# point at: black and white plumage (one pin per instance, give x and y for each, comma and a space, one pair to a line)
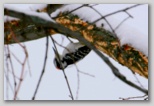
73, 53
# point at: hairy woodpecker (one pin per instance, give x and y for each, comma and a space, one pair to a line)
73, 53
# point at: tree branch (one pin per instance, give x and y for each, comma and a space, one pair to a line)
43, 70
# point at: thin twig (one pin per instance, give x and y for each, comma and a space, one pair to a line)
43, 70
7, 76
122, 10
12, 68
94, 5
8, 83
128, 14
105, 20
29, 69
86, 73
72, 10
133, 97
16, 58
22, 72
138, 81
69, 39
7, 65
121, 23
66, 79
78, 82
78, 78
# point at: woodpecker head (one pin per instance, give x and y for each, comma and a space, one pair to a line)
59, 64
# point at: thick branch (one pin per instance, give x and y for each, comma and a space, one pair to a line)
99, 37
22, 31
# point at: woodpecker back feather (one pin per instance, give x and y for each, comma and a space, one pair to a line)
71, 47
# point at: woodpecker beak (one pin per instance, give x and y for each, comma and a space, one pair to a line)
54, 50
56, 53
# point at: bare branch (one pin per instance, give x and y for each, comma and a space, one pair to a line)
66, 79
122, 10
22, 71
43, 70
114, 34
12, 68
8, 84
121, 23
135, 97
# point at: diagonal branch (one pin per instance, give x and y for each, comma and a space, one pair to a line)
43, 70
66, 79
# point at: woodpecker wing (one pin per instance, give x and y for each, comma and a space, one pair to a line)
72, 47
71, 58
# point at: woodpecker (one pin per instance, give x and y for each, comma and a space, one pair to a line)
72, 53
